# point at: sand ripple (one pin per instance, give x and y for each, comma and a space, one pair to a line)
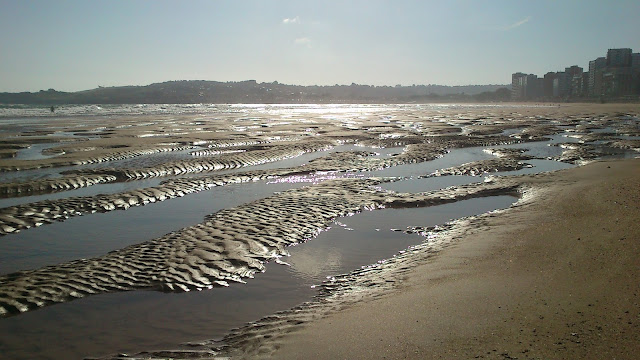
43, 186
477, 168
223, 162
117, 155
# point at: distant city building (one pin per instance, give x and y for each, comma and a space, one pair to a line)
635, 61
517, 91
635, 69
525, 86
619, 57
585, 84
617, 81
573, 70
561, 85
574, 81
547, 84
595, 76
615, 76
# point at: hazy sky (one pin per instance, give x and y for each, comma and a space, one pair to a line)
78, 45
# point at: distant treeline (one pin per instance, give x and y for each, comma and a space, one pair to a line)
247, 92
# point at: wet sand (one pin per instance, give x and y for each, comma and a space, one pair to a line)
555, 278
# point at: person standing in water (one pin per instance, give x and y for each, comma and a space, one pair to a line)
52, 108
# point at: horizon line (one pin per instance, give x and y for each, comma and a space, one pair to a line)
275, 82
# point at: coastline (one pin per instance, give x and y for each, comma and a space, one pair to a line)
552, 278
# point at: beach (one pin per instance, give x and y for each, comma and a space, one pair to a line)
265, 180
248, 231
556, 278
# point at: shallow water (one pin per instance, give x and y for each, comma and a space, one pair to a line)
371, 236
414, 184
34, 152
543, 149
454, 157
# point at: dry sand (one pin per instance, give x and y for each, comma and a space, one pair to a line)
558, 278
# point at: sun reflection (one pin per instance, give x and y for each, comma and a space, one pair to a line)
311, 264
315, 178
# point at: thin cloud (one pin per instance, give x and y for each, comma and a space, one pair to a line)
295, 20
303, 41
519, 23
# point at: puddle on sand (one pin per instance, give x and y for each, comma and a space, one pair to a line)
542, 149
538, 167
367, 237
101, 325
454, 157
159, 157
33, 174
414, 185
34, 152
149, 160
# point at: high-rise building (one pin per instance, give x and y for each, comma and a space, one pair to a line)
574, 81
573, 70
617, 81
595, 76
517, 89
635, 69
538, 88
561, 85
619, 57
547, 85
635, 61
616, 75
525, 86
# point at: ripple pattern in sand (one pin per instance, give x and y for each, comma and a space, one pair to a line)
118, 155
45, 186
477, 168
229, 161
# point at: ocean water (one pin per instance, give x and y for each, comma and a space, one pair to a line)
141, 320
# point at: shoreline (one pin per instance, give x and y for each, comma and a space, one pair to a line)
552, 278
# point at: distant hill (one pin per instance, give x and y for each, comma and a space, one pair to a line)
214, 92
